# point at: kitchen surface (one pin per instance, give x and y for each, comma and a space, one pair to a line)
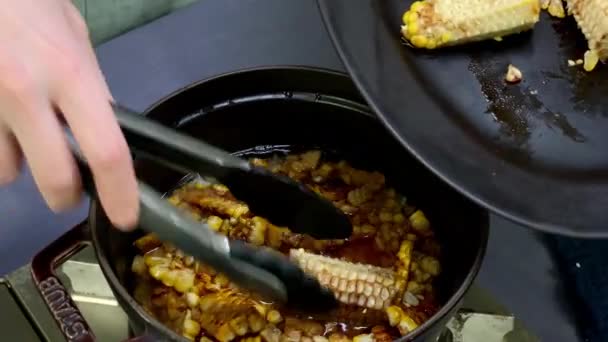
518, 278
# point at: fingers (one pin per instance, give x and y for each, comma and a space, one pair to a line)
89, 114
41, 139
10, 156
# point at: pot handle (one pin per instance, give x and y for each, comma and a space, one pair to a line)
68, 317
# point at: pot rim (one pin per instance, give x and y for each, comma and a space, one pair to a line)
117, 286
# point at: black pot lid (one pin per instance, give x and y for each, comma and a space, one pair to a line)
535, 152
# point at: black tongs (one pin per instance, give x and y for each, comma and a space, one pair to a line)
260, 270
278, 198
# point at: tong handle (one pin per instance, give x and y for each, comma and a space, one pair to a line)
178, 151
197, 239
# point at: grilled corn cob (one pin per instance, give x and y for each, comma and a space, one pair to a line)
362, 285
435, 23
591, 16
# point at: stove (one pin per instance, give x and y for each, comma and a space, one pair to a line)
26, 317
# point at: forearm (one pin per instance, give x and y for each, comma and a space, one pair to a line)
109, 18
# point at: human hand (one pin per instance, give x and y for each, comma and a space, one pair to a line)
48, 68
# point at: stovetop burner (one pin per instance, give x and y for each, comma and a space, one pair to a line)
27, 318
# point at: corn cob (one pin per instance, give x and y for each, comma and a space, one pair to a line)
358, 284
435, 23
591, 16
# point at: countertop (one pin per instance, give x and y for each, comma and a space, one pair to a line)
216, 36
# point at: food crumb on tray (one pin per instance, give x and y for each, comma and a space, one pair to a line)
513, 75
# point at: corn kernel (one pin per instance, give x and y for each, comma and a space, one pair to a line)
398, 218
406, 17
184, 281
239, 325
191, 327
394, 315
414, 287
214, 222
386, 216
256, 322
139, 265
412, 28
406, 325
419, 221
446, 37
419, 41
225, 334
430, 265
364, 338
174, 200
431, 44
192, 299
590, 60
169, 277
416, 6
274, 317
320, 339
207, 302
205, 339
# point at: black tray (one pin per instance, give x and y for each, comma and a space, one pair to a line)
535, 152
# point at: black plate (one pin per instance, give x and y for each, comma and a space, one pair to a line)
536, 152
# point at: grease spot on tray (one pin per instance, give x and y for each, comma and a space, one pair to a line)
517, 108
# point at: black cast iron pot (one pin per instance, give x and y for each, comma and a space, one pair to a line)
262, 111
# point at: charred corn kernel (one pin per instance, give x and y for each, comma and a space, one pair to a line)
256, 322
258, 231
215, 222
406, 324
356, 284
139, 265
455, 22
184, 280
419, 221
590, 16
192, 299
590, 60
274, 317
394, 315
364, 338
556, 8
430, 265
239, 325
224, 333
